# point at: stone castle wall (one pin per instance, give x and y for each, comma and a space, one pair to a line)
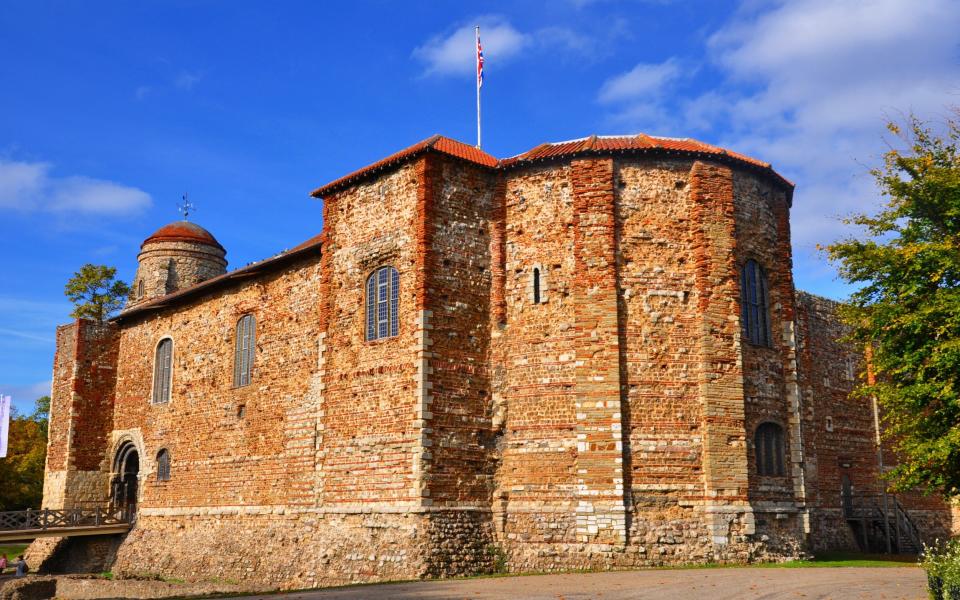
840, 433
81, 413
605, 420
166, 266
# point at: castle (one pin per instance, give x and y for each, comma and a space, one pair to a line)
589, 355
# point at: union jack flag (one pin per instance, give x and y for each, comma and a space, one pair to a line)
479, 62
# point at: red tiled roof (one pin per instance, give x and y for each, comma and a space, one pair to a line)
606, 144
183, 231
436, 143
252, 270
594, 144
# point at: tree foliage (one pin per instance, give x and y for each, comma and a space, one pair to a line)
907, 307
21, 472
95, 293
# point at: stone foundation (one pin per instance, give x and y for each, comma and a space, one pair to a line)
290, 550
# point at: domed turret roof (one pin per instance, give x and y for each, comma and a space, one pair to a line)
183, 231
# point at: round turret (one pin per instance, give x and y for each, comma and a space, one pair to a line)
175, 257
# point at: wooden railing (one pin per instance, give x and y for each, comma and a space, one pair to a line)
51, 518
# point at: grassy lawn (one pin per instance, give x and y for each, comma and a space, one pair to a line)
12, 551
847, 559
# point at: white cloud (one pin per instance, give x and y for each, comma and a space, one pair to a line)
28, 186
643, 81
24, 395
186, 80
808, 86
454, 53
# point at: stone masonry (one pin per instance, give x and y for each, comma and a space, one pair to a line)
569, 385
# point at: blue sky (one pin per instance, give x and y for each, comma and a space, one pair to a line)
110, 111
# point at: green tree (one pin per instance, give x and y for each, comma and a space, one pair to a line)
906, 264
22, 470
41, 413
95, 293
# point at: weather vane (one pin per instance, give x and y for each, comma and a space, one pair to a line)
186, 208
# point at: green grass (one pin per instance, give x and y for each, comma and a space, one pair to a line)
13, 550
848, 559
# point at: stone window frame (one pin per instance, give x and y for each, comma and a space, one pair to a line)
371, 320
156, 372
164, 460
139, 289
770, 449
240, 354
538, 278
755, 318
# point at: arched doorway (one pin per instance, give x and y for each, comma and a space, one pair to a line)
123, 484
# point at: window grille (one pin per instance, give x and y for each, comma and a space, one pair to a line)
245, 348
162, 371
754, 300
163, 465
383, 298
768, 445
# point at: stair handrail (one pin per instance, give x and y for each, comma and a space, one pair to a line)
908, 525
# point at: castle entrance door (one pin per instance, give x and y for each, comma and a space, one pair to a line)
126, 477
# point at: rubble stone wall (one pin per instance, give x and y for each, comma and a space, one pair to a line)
166, 266
228, 445
840, 434
82, 410
569, 388
368, 454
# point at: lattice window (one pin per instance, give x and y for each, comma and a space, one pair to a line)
383, 298
769, 448
246, 339
163, 465
163, 371
755, 304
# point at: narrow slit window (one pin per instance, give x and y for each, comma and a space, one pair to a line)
383, 299
536, 286
244, 353
162, 371
140, 289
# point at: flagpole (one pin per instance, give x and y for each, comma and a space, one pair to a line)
477, 50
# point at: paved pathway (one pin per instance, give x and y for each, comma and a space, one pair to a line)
841, 583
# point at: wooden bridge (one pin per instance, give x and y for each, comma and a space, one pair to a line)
26, 525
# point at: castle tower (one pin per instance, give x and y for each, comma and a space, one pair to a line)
175, 257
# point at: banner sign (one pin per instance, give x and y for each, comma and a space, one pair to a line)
4, 424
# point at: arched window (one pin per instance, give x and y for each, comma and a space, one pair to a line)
163, 465
536, 285
755, 309
243, 356
383, 294
768, 445
162, 371
140, 289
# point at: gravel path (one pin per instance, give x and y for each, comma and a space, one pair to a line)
842, 583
